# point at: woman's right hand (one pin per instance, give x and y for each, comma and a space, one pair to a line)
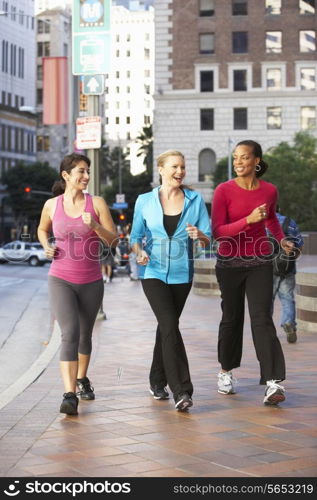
50, 251
142, 258
258, 214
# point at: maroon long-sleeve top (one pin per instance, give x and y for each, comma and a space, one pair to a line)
231, 205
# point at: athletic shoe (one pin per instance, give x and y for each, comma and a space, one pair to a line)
226, 383
69, 404
290, 331
86, 391
159, 392
183, 402
274, 393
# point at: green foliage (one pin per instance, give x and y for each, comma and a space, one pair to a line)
145, 139
221, 172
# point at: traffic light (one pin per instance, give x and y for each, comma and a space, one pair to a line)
27, 192
122, 218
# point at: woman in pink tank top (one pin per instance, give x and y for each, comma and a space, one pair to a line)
78, 221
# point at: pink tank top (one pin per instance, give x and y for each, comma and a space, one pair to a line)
77, 258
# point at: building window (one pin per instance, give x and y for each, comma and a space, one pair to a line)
3, 97
206, 8
16, 103
239, 79
273, 42
239, 7
128, 53
117, 120
147, 73
307, 41
274, 79
43, 143
147, 89
206, 119
117, 38
43, 49
5, 56
307, 7
274, 118
39, 72
206, 43
240, 118
146, 53
117, 74
128, 74
128, 120
118, 90
117, 53
206, 81
128, 136
240, 42
39, 96
43, 26
273, 7
147, 120
308, 117
307, 79
128, 90
207, 165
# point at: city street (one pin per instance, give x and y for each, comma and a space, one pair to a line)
124, 432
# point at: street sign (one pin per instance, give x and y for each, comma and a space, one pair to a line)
94, 84
88, 132
120, 198
119, 205
91, 36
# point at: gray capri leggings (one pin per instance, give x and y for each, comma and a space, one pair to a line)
75, 308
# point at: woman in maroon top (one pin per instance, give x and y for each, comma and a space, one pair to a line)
242, 209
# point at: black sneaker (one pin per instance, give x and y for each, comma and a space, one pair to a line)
159, 392
183, 402
86, 391
69, 404
290, 331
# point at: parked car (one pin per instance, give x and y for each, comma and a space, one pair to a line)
23, 251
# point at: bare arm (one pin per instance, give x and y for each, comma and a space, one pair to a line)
45, 227
106, 230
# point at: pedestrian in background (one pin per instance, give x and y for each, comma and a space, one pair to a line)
284, 281
169, 218
242, 208
78, 221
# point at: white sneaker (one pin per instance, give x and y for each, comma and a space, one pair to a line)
274, 393
226, 383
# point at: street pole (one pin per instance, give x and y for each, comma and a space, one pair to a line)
229, 159
120, 168
94, 154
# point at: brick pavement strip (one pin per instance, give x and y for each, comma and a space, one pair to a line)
125, 433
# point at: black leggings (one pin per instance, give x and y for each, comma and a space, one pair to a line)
257, 284
170, 364
75, 308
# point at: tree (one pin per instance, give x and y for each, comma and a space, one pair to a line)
145, 139
221, 172
27, 207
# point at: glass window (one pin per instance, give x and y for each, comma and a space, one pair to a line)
117, 120
273, 41
128, 120
307, 79
240, 118
308, 117
46, 142
239, 79
206, 8
273, 79
206, 81
207, 165
40, 72
240, 42
274, 118
206, 43
307, 41
307, 7
117, 74
206, 119
146, 53
273, 7
239, 7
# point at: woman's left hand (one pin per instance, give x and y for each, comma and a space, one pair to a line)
288, 246
192, 231
89, 220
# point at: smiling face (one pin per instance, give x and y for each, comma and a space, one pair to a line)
244, 161
78, 177
173, 171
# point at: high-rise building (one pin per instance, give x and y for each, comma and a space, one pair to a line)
17, 83
232, 70
53, 40
130, 85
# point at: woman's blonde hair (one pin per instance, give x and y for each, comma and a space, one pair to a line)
160, 160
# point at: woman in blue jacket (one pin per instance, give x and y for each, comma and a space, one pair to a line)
165, 223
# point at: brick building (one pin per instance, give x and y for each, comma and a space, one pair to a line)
228, 70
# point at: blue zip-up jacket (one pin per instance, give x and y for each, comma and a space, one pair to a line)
171, 258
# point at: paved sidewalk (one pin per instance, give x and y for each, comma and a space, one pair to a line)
125, 433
